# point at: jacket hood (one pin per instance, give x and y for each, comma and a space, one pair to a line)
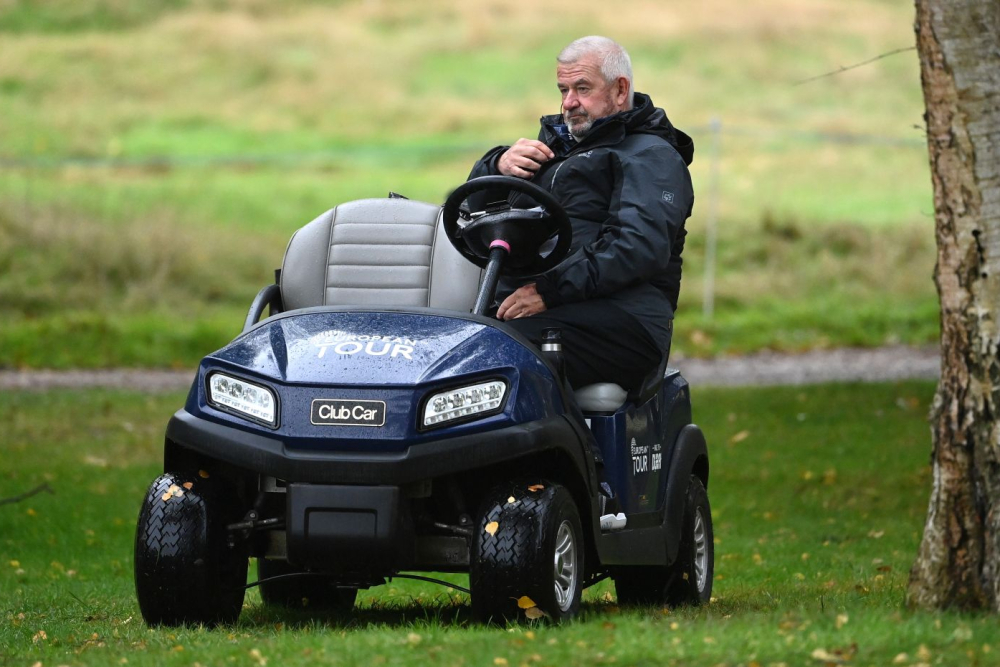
642, 118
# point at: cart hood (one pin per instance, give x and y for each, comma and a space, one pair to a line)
332, 347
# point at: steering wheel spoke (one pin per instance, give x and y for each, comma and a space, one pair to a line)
527, 231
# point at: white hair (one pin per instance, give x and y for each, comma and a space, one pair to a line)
612, 56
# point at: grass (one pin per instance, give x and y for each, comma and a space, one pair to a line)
157, 156
818, 495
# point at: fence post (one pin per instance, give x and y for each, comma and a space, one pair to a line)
708, 300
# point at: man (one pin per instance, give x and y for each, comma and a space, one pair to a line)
619, 168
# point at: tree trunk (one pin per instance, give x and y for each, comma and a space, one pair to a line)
959, 560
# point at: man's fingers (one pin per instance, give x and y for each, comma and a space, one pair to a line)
538, 153
535, 144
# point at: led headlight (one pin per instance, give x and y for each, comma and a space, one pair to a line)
477, 399
244, 397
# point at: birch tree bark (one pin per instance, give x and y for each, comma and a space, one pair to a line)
958, 564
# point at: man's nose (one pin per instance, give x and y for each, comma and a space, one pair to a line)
571, 101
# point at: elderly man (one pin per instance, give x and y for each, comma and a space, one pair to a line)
619, 168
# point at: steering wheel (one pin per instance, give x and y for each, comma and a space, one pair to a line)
524, 231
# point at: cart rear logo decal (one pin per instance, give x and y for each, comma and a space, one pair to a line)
336, 412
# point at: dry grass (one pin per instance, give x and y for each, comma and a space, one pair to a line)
52, 261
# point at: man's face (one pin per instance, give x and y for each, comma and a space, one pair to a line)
586, 96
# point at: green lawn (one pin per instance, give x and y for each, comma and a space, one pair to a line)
157, 156
818, 494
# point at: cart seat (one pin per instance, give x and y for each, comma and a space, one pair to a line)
607, 397
600, 397
377, 252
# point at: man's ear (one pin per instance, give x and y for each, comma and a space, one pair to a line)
621, 92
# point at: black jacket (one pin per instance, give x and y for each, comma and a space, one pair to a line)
627, 191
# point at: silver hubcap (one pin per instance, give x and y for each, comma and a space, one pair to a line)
564, 566
700, 550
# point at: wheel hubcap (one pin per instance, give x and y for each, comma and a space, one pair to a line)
564, 566
700, 551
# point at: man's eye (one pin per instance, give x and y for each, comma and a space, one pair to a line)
583, 91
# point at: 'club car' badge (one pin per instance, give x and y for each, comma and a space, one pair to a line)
334, 412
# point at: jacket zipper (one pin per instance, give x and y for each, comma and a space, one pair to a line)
555, 174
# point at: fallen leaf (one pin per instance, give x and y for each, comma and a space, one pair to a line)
15, 563
256, 655
188, 485
500, 662
739, 437
524, 602
492, 527
841, 620
40, 636
876, 533
533, 613
700, 338
535, 488
203, 474
900, 658
923, 653
824, 656
174, 491
413, 639
512, 499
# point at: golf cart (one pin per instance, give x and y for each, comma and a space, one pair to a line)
371, 425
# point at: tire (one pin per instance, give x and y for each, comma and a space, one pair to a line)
185, 571
689, 580
301, 592
535, 550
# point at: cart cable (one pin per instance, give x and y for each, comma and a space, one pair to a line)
416, 577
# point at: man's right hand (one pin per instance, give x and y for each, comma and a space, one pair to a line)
524, 158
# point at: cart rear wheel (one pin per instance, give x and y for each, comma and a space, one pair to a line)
185, 570
312, 592
527, 554
689, 580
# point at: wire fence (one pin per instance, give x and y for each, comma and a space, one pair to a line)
716, 132
715, 128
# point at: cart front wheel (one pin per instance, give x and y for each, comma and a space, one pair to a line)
185, 570
527, 554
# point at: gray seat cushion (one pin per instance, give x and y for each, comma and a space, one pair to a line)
377, 252
600, 397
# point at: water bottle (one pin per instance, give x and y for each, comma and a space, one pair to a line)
552, 350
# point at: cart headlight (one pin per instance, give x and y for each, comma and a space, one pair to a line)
244, 397
474, 400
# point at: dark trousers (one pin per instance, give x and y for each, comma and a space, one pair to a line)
601, 342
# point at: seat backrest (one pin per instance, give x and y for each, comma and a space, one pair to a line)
377, 252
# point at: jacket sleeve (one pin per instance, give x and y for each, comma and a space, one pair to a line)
651, 200
487, 165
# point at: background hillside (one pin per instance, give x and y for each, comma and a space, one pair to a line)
155, 157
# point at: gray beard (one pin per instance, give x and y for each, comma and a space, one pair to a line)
581, 133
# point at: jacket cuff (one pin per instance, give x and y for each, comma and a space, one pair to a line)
547, 290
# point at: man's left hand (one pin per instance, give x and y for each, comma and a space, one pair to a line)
523, 302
